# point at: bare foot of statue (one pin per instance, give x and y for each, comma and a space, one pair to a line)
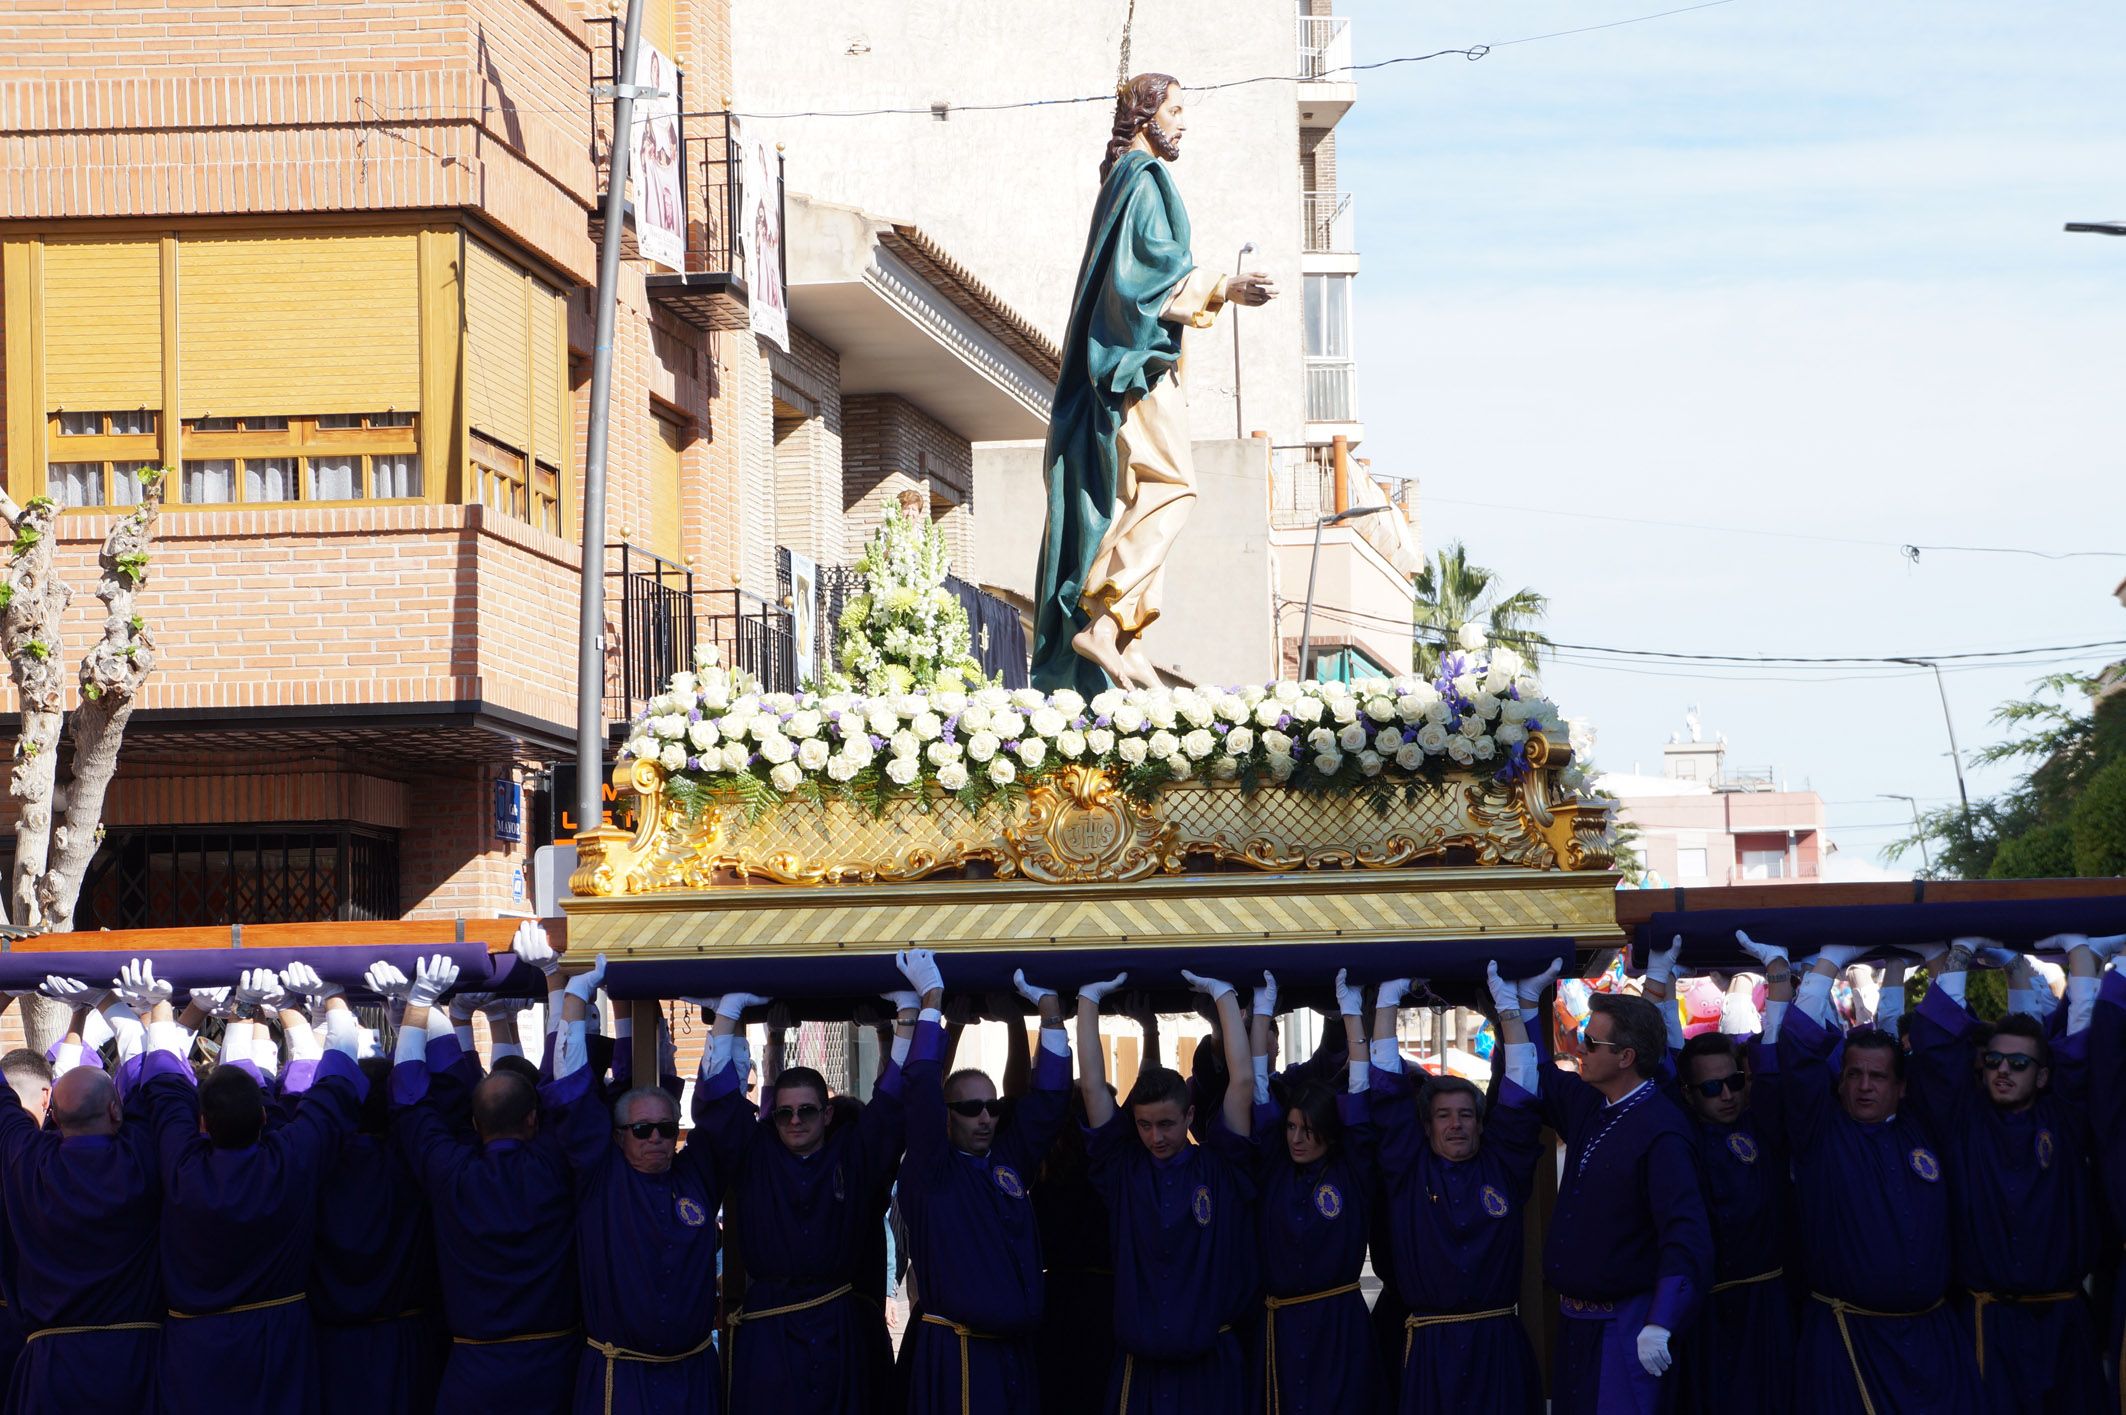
1139, 664
1096, 644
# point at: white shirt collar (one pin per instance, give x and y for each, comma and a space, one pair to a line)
1611, 1105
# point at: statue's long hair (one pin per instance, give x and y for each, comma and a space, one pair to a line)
1136, 106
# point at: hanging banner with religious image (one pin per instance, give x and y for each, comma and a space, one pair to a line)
659, 178
804, 614
760, 235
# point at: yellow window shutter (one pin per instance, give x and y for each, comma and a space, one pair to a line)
549, 386
102, 325
497, 339
296, 325
667, 536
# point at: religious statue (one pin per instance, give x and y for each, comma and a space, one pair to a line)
1119, 472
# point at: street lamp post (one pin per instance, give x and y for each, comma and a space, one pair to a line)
1925, 859
2099, 228
1955, 755
1239, 427
1306, 618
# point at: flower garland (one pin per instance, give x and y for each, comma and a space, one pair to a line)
713, 732
906, 631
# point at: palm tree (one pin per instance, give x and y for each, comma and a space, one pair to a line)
1452, 592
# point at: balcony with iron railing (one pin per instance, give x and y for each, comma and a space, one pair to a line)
1325, 48
1329, 223
1331, 390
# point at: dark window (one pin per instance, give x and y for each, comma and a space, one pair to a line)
182, 876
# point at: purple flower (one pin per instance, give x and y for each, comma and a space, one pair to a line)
877, 742
694, 716
1103, 721
1284, 720
693, 763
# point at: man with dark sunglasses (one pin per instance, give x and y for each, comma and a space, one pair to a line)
965, 1191
2010, 1106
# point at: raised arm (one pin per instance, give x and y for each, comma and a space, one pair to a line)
1239, 1104
1659, 989
1261, 1012
922, 1085
1041, 1110
1092, 1056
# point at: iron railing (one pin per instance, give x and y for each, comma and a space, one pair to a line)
1329, 223
749, 633
1325, 48
1332, 390
998, 631
713, 242
190, 876
653, 600
1302, 486
607, 57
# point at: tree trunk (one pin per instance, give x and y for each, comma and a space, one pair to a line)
44, 1021
29, 634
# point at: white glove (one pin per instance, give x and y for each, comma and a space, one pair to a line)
906, 1000
259, 987
1996, 955
1505, 993
731, 1004
1929, 954
302, 979
1530, 990
71, 991
387, 981
1765, 953
1265, 1001
586, 983
1350, 996
1392, 992
1213, 988
2103, 945
464, 1004
1653, 1350
138, 987
529, 943
215, 1002
1093, 992
1840, 955
1032, 992
920, 967
432, 977
1661, 963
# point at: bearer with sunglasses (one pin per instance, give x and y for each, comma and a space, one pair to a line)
1736, 1358
645, 1234
2010, 1110
807, 1207
964, 1192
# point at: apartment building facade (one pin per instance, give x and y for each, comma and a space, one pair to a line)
923, 112
332, 263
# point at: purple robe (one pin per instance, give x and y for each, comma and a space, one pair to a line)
237, 1228
380, 1337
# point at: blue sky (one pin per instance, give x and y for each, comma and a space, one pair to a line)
1789, 268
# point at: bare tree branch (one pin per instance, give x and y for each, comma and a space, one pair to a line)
111, 674
36, 601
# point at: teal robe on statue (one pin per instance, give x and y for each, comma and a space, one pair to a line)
1117, 347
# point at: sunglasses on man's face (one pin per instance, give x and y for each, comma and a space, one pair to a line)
2015, 1061
1711, 1089
795, 1114
643, 1129
971, 1109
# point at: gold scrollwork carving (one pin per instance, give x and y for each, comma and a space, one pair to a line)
1076, 827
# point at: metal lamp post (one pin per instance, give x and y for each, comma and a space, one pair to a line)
1926, 861
1239, 427
1955, 755
1306, 619
2099, 228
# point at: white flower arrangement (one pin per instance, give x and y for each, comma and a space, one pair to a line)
713, 731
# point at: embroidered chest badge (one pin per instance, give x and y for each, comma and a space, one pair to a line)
1199, 1204
1493, 1201
1008, 1180
691, 1213
1925, 1165
2044, 1149
1742, 1147
1328, 1201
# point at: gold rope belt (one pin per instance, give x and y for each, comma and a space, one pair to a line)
1734, 1282
75, 1331
742, 1316
511, 1340
965, 1333
1411, 1324
1982, 1300
266, 1305
614, 1354
1840, 1310
1269, 1338
1129, 1371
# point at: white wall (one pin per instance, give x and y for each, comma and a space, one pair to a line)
1010, 194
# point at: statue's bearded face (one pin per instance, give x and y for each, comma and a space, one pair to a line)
1167, 125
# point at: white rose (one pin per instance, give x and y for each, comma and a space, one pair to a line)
658, 706
673, 757
905, 744
926, 725
1353, 737
1322, 739
882, 719
1232, 707
1506, 661
1240, 741
1198, 744
995, 699
715, 697
1343, 709
1436, 711
1161, 713
1179, 766
1225, 769
1032, 751
840, 768
1164, 744
1466, 686
802, 724
778, 703
775, 749
1100, 741
812, 755
1027, 699
643, 748
1528, 688
1369, 763
785, 777
734, 756
1128, 717
1007, 725
1432, 737
682, 685
1306, 710
1513, 710
1410, 756
1484, 747
940, 753
1197, 711
1287, 691
1268, 711
1459, 749
1276, 743
948, 704
1510, 733
1329, 763
983, 745
952, 775
1380, 709
974, 718
1472, 725
859, 751
1580, 734
1131, 750
1001, 771
705, 657
1047, 722
1408, 708
1069, 703
1471, 637
1105, 704
702, 734
902, 771
1070, 743
1486, 704
760, 727
1387, 741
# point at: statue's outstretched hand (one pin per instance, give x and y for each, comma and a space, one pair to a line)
1253, 288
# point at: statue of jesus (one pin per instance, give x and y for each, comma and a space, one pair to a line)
1119, 472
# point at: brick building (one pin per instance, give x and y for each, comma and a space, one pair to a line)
1704, 822
331, 262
